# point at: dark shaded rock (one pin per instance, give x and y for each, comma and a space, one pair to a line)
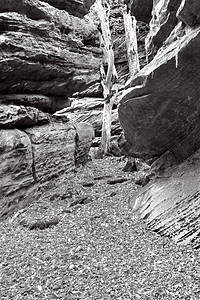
114, 147
117, 180
190, 13
163, 113
78, 200
171, 205
141, 165
88, 184
164, 162
113, 194
141, 178
40, 224
141, 9
102, 177
47, 104
12, 116
96, 142
130, 165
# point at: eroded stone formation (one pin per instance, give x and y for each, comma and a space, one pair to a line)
49, 51
160, 115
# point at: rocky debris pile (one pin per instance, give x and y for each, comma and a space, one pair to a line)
96, 251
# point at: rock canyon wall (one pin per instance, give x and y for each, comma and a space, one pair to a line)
51, 102
49, 51
160, 114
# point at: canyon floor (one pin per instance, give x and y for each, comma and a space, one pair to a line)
80, 240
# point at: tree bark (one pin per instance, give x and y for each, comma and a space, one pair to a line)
109, 77
131, 42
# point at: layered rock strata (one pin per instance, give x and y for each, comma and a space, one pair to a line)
46, 51
89, 110
160, 114
159, 111
49, 51
171, 204
33, 159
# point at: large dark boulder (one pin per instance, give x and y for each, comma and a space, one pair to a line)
142, 9
160, 114
162, 111
190, 14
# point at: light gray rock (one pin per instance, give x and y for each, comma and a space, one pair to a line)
170, 205
37, 159
89, 110
12, 116
74, 7
16, 174
84, 137
53, 149
45, 50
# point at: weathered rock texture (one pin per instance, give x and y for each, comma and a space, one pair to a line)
160, 110
45, 50
12, 116
74, 7
48, 104
33, 159
88, 110
141, 9
119, 42
171, 205
49, 51
160, 114
84, 137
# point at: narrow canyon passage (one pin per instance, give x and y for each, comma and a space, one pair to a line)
95, 249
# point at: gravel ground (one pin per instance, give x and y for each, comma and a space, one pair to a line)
98, 250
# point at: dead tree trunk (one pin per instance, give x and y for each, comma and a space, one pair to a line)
108, 78
133, 59
131, 41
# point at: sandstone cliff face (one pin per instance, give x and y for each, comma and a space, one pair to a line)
45, 51
171, 205
49, 51
32, 160
160, 114
160, 109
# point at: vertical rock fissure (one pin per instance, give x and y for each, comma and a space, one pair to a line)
76, 148
33, 158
